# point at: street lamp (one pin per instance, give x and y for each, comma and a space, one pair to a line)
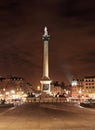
38, 88
7, 93
12, 91
80, 92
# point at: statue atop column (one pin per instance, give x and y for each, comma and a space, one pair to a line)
46, 37
45, 31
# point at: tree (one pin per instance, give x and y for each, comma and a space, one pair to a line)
63, 85
56, 83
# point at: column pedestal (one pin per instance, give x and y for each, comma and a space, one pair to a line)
45, 86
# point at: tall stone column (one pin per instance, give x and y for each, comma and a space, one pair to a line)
45, 81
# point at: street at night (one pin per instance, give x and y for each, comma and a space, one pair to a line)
47, 116
47, 65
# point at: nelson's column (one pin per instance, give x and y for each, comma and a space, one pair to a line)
45, 81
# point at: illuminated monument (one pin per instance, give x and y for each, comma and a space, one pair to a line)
45, 81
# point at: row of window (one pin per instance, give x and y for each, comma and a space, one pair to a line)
90, 87
90, 80
89, 83
87, 87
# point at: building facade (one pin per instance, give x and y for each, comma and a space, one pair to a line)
84, 87
13, 87
77, 88
89, 86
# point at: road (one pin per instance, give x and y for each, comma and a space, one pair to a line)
62, 116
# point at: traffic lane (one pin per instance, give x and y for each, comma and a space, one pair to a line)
72, 115
35, 116
25, 117
73, 107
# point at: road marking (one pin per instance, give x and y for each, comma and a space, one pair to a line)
2, 113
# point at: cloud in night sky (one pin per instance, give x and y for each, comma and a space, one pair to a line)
71, 25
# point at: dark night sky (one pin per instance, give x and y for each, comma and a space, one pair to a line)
71, 25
